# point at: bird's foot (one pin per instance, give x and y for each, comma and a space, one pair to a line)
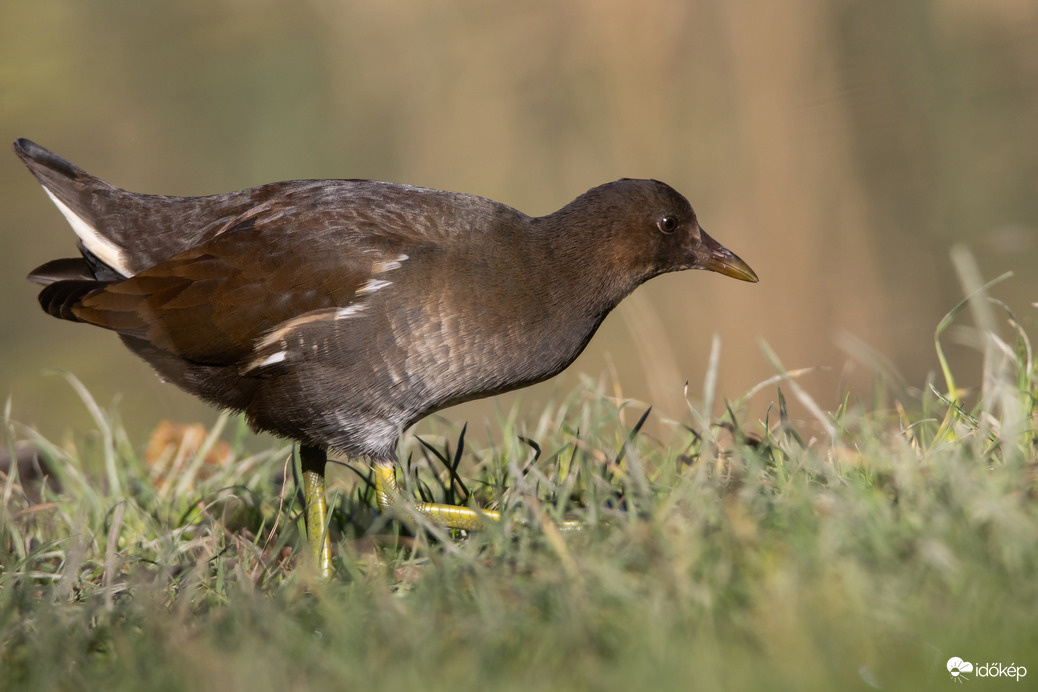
313, 460
447, 516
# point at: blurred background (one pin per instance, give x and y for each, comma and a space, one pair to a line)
840, 147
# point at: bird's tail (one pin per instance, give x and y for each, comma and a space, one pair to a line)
83, 199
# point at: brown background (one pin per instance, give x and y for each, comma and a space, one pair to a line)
841, 148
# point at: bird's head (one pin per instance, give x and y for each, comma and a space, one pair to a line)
644, 228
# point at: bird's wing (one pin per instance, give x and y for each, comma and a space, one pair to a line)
227, 301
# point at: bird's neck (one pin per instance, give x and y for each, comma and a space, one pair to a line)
586, 267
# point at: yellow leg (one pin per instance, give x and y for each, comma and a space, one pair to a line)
449, 516
313, 460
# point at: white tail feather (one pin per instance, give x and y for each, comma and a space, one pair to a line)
101, 247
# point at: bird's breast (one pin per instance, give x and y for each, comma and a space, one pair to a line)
460, 345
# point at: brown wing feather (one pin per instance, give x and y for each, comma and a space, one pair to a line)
212, 303
305, 251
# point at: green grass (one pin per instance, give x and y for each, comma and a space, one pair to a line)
745, 556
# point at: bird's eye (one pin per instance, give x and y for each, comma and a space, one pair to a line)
668, 224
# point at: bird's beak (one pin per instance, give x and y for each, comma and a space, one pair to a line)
717, 258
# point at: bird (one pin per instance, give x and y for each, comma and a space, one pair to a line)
337, 313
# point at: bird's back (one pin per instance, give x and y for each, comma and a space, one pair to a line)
374, 302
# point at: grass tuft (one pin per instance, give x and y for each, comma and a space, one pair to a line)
745, 555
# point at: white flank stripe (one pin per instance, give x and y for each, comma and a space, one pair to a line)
104, 249
371, 286
381, 267
274, 358
348, 311
269, 360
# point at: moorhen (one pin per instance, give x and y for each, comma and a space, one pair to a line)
338, 312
